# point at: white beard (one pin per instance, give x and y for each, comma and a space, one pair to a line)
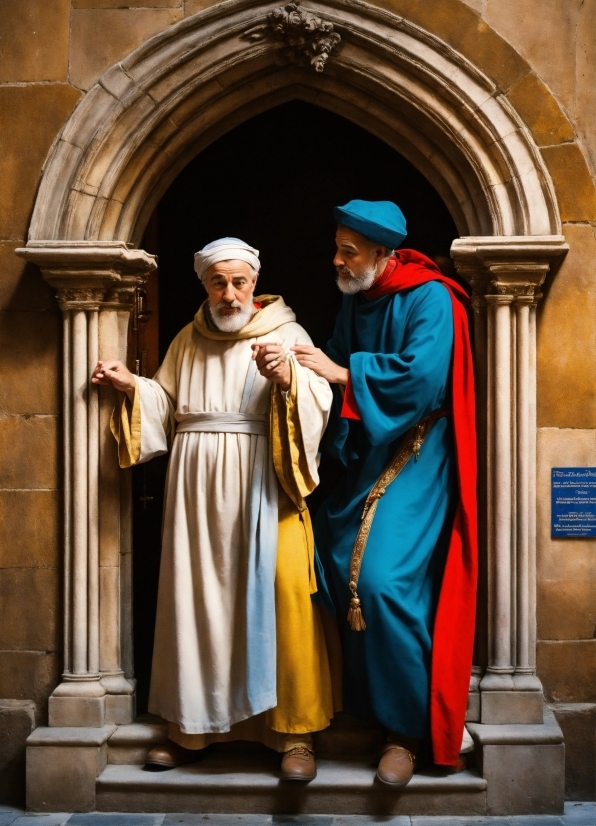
232, 323
354, 284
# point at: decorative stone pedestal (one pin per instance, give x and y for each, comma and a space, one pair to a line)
62, 767
523, 765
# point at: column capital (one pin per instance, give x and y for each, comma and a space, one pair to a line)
514, 266
79, 298
122, 294
83, 271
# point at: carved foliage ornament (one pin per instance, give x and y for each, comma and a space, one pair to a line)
308, 39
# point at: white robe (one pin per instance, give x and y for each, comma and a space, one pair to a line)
200, 661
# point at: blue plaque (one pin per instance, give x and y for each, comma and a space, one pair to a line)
573, 502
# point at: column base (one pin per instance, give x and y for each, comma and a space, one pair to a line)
505, 707
507, 697
120, 698
79, 703
524, 766
62, 767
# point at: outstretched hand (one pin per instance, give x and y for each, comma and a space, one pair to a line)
272, 363
117, 374
315, 359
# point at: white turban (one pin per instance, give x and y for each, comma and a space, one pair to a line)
225, 249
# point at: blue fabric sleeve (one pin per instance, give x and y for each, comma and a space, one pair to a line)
337, 349
395, 390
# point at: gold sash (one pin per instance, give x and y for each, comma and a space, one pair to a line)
411, 444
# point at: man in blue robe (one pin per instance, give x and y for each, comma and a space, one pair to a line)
390, 361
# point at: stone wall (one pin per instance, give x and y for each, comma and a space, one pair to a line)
541, 53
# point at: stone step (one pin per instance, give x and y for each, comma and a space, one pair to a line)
249, 782
345, 737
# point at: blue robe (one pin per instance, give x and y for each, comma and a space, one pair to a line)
398, 349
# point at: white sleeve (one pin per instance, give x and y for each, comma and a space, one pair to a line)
157, 419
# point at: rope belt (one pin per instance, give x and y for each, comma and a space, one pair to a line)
221, 423
410, 446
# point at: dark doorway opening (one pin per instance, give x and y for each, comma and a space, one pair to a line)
273, 181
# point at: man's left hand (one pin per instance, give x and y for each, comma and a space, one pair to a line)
272, 363
315, 359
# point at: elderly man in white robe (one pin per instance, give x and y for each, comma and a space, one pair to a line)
239, 650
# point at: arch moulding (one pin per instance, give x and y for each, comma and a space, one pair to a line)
129, 137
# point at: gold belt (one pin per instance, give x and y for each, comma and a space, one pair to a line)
410, 446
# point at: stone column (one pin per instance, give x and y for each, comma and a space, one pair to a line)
95, 284
115, 551
506, 274
79, 699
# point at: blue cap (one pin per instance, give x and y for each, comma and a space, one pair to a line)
382, 222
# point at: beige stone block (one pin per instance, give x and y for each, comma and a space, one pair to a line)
566, 609
585, 72
30, 529
29, 609
29, 452
21, 284
549, 47
541, 111
32, 116
17, 721
511, 707
30, 347
524, 779
62, 779
562, 559
576, 193
76, 711
102, 37
463, 29
578, 724
130, 744
120, 708
193, 6
566, 337
127, 4
34, 40
29, 675
567, 670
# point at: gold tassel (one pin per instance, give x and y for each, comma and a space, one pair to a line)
355, 617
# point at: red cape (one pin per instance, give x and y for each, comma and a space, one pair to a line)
453, 635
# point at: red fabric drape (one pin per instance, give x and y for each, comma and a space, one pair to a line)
453, 635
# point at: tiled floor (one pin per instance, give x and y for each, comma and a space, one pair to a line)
576, 814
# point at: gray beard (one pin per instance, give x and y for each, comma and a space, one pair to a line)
232, 323
355, 284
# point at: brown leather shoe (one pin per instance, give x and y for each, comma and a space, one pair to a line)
298, 764
396, 765
168, 755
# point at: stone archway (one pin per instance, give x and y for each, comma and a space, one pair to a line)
127, 140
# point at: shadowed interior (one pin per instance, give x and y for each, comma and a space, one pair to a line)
273, 181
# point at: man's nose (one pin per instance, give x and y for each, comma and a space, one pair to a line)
229, 294
338, 260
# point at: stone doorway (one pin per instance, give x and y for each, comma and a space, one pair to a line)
273, 180
126, 142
